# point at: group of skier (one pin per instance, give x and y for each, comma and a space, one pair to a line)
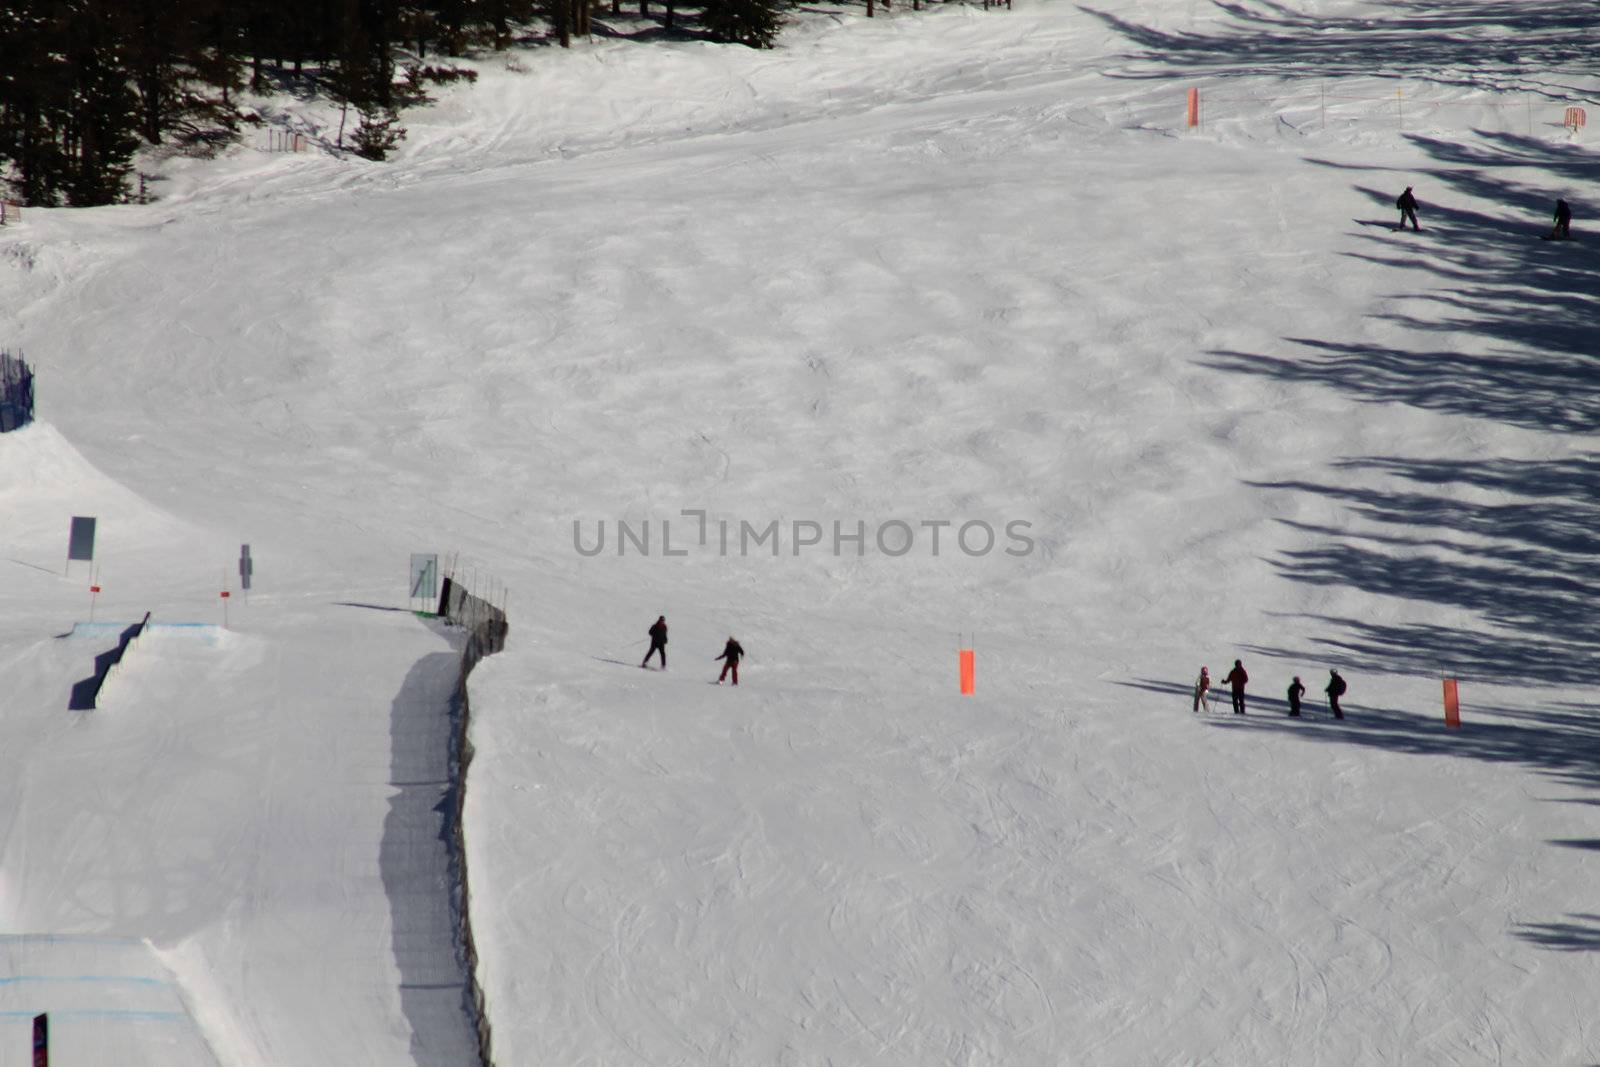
732, 652
1407, 203
1236, 680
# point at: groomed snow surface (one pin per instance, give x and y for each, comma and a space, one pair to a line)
937, 267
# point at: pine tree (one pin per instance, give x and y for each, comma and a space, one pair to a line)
748, 22
379, 133
97, 131
363, 78
156, 37
67, 113
32, 94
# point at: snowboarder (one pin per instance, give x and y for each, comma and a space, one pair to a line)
732, 652
658, 642
1335, 690
1202, 686
1296, 691
1408, 210
1237, 678
1563, 230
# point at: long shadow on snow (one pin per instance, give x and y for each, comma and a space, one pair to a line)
1417, 39
1582, 934
418, 864
1524, 567
1590, 844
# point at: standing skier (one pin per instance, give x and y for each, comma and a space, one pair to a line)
1335, 690
1408, 209
1563, 230
1236, 679
732, 652
1296, 691
1202, 686
658, 642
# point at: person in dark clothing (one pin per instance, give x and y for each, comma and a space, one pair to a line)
1563, 229
1408, 209
658, 642
732, 653
1237, 678
1335, 690
1296, 691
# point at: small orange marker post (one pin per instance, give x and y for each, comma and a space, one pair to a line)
969, 671
1452, 705
1194, 107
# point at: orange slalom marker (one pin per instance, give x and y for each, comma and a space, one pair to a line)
1452, 705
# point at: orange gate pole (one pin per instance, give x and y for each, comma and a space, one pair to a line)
1452, 705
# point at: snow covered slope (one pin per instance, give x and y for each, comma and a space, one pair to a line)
947, 267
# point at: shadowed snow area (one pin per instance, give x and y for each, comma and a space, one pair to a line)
945, 267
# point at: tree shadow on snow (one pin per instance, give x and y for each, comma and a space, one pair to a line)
1416, 39
1580, 934
1591, 844
1503, 323
1514, 542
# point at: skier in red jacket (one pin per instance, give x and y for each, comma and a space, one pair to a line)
1237, 678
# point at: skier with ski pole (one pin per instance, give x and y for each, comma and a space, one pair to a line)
1236, 680
732, 653
1202, 686
1407, 203
658, 642
1335, 690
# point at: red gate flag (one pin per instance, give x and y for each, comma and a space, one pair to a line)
1452, 705
1194, 107
968, 672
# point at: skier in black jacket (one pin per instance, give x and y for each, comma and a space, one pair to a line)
1408, 209
732, 653
658, 642
1563, 229
1296, 691
1335, 690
